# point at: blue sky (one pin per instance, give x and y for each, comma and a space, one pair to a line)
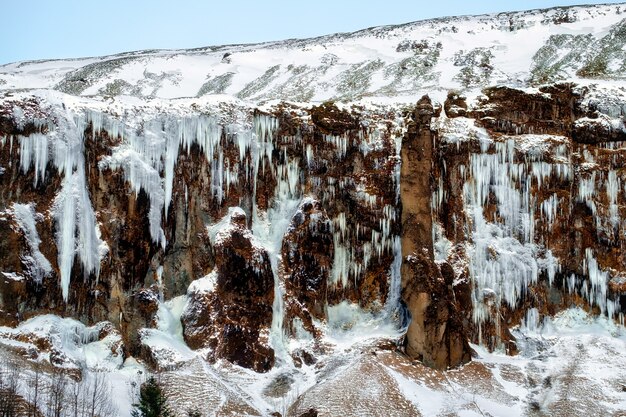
38, 29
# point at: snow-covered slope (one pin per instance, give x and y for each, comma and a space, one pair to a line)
517, 48
563, 369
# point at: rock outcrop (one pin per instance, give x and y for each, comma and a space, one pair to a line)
435, 334
307, 249
230, 310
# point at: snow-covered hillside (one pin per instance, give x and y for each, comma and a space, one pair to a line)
431, 56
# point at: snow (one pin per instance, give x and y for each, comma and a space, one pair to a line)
367, 63
12, 276
564, 367
428, 401
78, 345
461, 129
124, 383
203, 285
221, 228
74, 347
166, 342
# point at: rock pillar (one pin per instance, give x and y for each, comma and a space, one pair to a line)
435, 335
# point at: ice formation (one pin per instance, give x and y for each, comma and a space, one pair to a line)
26, 219
148, 155
270, 227
34, 152
506, 255
77, 230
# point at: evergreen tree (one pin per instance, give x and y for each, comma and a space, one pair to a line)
152, 401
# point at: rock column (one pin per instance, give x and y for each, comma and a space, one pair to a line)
435, 335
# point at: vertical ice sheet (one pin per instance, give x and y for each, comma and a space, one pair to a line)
269, 227
34, 152
505, 258
612, 190
77, 230
596, 292
26, 219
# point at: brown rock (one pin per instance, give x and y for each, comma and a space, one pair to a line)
455, 105
307, 254
231, 310
435, 334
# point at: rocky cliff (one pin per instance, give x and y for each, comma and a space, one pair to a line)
290, 217
260, 234
296, 216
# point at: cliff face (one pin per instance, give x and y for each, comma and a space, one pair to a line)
297, 222
290, 216
539, 226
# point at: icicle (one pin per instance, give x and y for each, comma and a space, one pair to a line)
549, 209
341, 263
340, 143
159, 275
587, 190
96, 119
186, 199
34, 152
597, 294
612, 189
309, 155
504, 257
148, 158
531, 321
77, 230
